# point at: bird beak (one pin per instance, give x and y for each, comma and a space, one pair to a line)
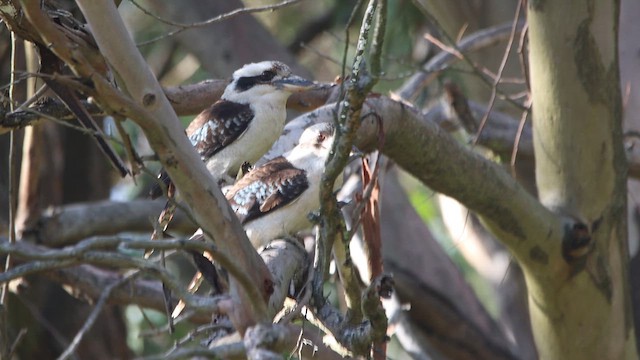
294, 83
355, 154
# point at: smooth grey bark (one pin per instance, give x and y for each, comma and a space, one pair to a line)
630, 87
579, 301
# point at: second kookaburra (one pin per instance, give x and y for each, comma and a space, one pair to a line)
245, 122
274, 199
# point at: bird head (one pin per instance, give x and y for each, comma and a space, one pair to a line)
266, 78
313, 147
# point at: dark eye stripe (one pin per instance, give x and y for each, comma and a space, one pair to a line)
268, 75
247, 82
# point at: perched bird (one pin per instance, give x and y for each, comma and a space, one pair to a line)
245, 122
274, 199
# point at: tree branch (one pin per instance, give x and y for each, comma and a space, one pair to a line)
359, 85
153, 113
93, 316
65, 225
288, 263
450, 168
187, 99
474, 42
86, 253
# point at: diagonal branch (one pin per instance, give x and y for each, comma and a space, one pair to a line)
430, 154
93, 316
476, 41
151, 110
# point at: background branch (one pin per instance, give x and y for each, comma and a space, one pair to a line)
67, 224
185, 99
448, 167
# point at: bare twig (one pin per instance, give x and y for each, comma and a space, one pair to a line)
12, 199
134, 159
229, 15
522, 55
454, 48
89, 282
86, 252
13, 172
59, 339
349, 277
503, 63
357, 337
476, 41
93, 316
16, 342
37, 95
516, 142
375, 54
192, 335
324, 241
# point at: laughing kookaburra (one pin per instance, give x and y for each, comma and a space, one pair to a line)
274, 199
249, 117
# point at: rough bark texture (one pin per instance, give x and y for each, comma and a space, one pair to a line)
579, 301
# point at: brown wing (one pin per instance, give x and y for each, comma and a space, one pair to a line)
266, 188
219, 126
212, 130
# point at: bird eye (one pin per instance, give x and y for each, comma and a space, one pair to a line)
321, 138
267, 75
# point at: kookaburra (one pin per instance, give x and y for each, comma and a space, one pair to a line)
249, 117
275, 199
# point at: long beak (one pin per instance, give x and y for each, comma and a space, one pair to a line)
294, 83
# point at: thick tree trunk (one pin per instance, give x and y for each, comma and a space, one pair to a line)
579, 298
